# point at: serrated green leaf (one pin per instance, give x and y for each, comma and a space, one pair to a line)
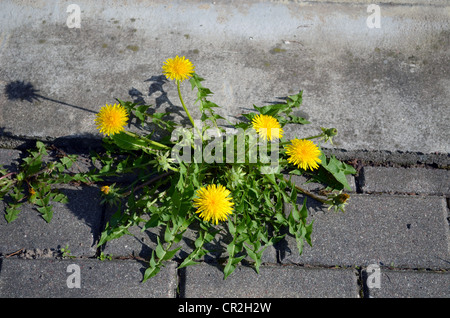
47, 212
12, 212
231, 266
169, 254
159, 250
295, 120
337, 169
153, 269
304, 210
60, 197
309, 229
195, 81
271, 110
128, 142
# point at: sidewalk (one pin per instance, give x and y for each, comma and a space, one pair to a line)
386, 90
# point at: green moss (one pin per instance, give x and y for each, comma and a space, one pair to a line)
277, 50
133, 48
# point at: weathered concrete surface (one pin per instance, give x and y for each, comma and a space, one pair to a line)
410, 284
385, 88
206, 281
402, 180
75, 225
98, 279
393, 230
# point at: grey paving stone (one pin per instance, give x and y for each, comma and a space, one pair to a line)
9, 159
273, 281
406, 180
75, 224
104, 279
404, 231
409, 284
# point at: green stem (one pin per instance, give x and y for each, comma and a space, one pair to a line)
152, 142
307, 138
186, 110
306, 192
317, 136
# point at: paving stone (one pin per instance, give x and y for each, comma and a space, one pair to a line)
404, 231
273, 281
103, 279
75, 224
408, 284
9, 159
406, 180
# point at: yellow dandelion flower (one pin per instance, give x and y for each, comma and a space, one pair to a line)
303, 153
31, 191
267, 127
105, 189
178, 68
213, 203
111, 119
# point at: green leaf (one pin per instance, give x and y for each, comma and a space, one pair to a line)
128, 142
249, 116
12, 212
153, 269
297, 120
337, 169
153, 222
113, 233
60, 197
231, 227
295, 100
231, 266
68, 161
304, 211
47, 212
271, 110
170, 254
309, 229
41, 148
195, 81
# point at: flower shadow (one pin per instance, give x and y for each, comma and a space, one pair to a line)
25, 91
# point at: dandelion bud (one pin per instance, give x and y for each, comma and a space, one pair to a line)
328, 134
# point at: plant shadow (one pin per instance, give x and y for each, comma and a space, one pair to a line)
163, 103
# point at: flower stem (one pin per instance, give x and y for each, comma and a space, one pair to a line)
186, 110
307, 138
306, 192
152, 142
